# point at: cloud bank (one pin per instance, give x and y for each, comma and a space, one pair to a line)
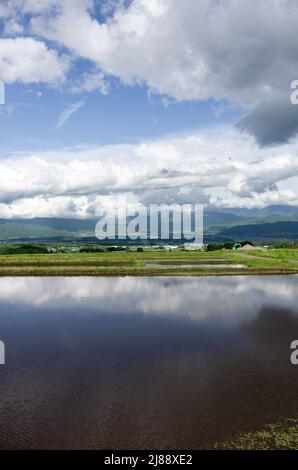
213, 167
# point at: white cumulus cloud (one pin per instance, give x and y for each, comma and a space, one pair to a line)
217, 168
28, 60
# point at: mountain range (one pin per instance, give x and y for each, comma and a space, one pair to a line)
270, 223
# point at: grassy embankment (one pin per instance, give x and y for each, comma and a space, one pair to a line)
280, 436
282, 261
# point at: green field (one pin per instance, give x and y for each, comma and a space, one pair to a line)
279, 261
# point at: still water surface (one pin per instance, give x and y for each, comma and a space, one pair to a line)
147, 363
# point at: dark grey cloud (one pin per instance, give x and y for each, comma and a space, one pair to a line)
271, 123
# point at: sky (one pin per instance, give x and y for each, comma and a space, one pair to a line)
158, 101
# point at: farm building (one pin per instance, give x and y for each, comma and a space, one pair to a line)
249, 247
194, 247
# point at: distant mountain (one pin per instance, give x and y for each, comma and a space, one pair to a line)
267, 231
48, 227
278, 210
44, 228
212, 218
273, 222
13, 230
64, 224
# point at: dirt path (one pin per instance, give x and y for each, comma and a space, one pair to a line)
246, 255
257, 257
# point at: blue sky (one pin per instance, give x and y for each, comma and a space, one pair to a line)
157, 100
125, 115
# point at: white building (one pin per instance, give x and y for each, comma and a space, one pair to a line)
194, 247
170, 247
